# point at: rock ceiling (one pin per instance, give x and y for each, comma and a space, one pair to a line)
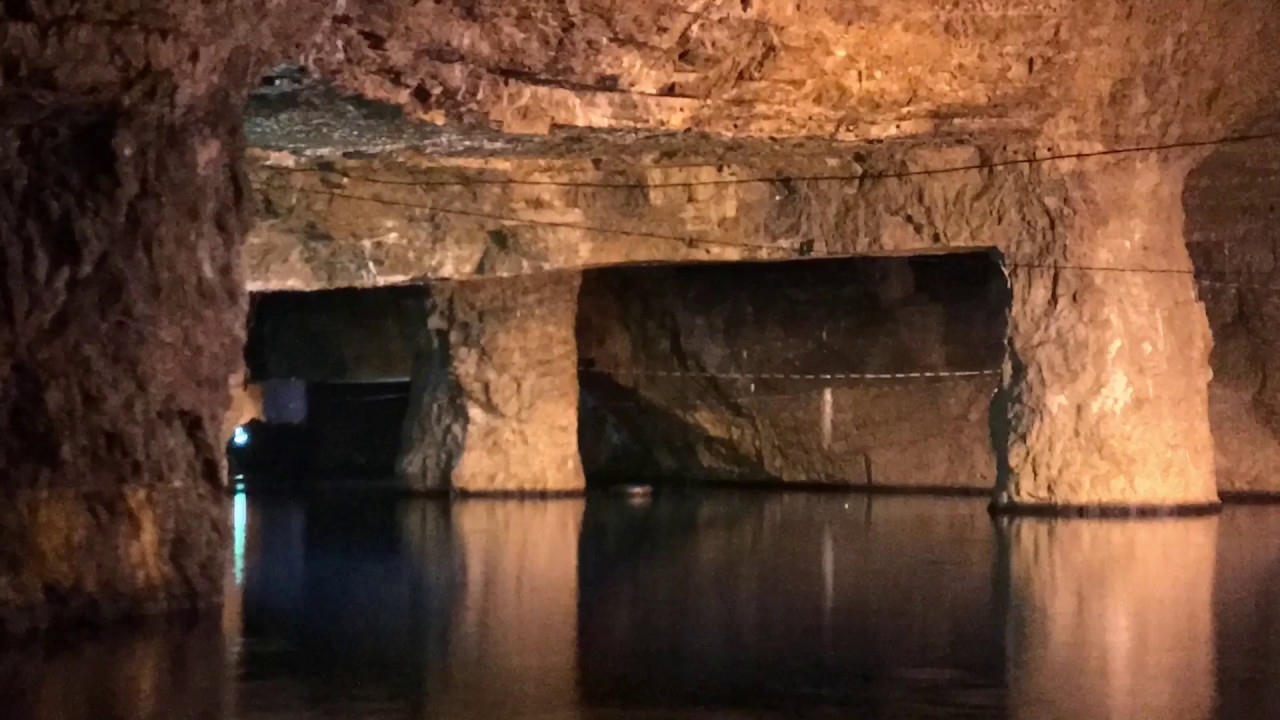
469, 137
1076, 73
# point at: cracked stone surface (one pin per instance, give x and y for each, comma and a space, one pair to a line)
122, 207
1076, 70
494, 406
1105, 395
732, 372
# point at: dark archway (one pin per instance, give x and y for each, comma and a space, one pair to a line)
866, 372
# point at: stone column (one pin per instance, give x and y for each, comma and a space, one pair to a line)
121, 317
1110, 620
122, 309
1104, 404
494, 402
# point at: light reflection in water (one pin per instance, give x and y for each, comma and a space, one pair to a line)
723, 606
1110, 620
239, 533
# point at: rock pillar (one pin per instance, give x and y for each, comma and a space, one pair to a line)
1104, 404
494, 402
1110, 620
121, 316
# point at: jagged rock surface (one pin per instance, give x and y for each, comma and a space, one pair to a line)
1233, 226
113, 362
122, 207
494, 405
716, 372
1105, 395
1082, 70
1070, 231
405, 215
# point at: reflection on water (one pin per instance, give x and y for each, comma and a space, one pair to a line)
715, 606
1111, 620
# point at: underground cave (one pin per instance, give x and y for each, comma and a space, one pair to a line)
698, 358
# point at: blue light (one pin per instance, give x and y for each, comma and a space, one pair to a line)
239, 527
240, 437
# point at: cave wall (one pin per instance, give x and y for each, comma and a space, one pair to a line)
659, 345
1108, 356
124, 315
122, 208
1232, 203
338, 335
356, 219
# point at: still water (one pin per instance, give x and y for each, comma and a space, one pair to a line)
715, 606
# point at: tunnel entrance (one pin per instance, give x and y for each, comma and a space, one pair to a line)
868, 372
330, 369
856, 372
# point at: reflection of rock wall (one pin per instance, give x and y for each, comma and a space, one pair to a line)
149, 671
1246, 596
803, 318
1233, 227
787, 600
1111, 620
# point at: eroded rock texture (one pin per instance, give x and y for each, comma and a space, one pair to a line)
1233, 225
1080, 70
494, 404
334, 221
124, 315
740, 372
1108, 339
121, 305
1105, 400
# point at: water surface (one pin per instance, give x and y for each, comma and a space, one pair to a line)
707, 606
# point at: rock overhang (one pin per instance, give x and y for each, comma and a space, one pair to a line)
498, 124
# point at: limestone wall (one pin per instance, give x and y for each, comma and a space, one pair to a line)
336, 335
354, 220
1232, 203
844, 68
715, 372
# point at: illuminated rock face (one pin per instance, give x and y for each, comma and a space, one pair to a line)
494, 406
1105, 397
1081, 422
850, 69
1104, 623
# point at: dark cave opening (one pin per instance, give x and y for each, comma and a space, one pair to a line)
874, 372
